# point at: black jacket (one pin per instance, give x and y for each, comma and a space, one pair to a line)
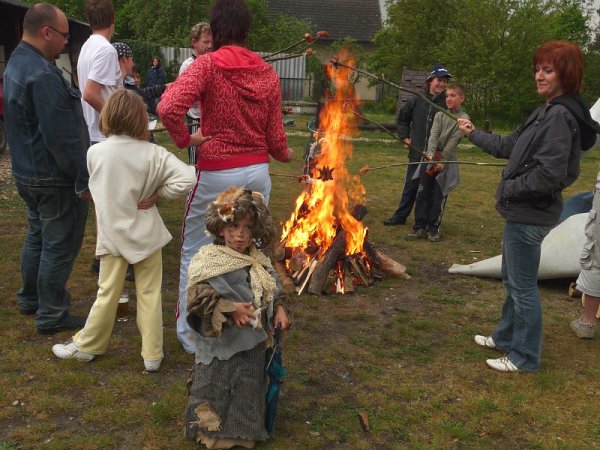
543, 158
415, 119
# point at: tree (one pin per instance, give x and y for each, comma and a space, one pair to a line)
166, 23
490, 54
272, 31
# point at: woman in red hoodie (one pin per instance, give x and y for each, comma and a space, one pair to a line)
242, 125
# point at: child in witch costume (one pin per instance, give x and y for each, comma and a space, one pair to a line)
234, 302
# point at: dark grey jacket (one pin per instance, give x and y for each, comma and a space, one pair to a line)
415, 120
543, 158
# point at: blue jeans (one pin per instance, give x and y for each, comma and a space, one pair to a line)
56, 217
519, 332
409, 194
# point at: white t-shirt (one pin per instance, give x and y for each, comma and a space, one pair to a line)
98, 61
194, 111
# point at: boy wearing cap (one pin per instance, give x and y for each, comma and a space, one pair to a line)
414, 123
439, 179
126, 64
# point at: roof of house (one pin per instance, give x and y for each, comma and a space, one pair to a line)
359, 19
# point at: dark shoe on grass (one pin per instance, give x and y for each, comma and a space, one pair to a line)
69, 323
28, 311
394, 221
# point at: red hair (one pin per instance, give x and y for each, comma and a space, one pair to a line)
567, 59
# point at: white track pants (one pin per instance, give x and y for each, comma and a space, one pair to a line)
193, 236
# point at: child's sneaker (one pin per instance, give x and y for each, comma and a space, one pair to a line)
583, 330
433, 236
69, 350
152, 366
417, 233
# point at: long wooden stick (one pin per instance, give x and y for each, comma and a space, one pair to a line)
336, 62
366, 169
307, 38
384, 129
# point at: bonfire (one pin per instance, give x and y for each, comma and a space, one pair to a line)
324, 244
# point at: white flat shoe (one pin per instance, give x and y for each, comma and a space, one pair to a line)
484, 341
502, 364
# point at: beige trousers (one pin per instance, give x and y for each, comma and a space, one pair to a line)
94, 337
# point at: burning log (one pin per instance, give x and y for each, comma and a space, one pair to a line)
330, 258
348, 280
360, 271
312, 266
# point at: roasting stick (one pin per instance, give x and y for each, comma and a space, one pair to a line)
307, 38
366, 169
336, 63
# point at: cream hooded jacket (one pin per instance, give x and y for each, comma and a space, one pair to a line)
123, 172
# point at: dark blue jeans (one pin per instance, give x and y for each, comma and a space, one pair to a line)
56, 217
519, 332
409, 193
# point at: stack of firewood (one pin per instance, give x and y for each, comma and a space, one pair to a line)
332, 271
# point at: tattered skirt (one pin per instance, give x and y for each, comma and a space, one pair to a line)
227, 399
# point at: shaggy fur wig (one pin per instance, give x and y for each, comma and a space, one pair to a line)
234, 204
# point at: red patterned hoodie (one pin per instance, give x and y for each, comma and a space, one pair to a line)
240, 102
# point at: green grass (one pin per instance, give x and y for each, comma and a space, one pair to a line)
400, 352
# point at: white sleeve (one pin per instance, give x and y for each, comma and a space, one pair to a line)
105, 67
176, 177
184, 65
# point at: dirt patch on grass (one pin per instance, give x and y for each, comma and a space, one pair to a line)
5, 168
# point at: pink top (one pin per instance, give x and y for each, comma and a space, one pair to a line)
240, 102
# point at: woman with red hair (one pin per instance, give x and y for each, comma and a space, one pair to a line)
543, 159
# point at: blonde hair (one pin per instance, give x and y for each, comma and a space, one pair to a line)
198, 29
458, 88
124, 113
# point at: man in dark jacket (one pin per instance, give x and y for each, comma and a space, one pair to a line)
414, 123
48, 140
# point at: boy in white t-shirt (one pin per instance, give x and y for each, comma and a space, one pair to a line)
98, 72
98, 65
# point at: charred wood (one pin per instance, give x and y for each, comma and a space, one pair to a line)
331, 256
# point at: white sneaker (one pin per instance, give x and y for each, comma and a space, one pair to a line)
484, 341
152, 366
69, 350
502, 364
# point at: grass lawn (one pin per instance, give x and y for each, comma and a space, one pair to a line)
401, 352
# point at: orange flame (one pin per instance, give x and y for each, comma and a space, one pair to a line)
323, 207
